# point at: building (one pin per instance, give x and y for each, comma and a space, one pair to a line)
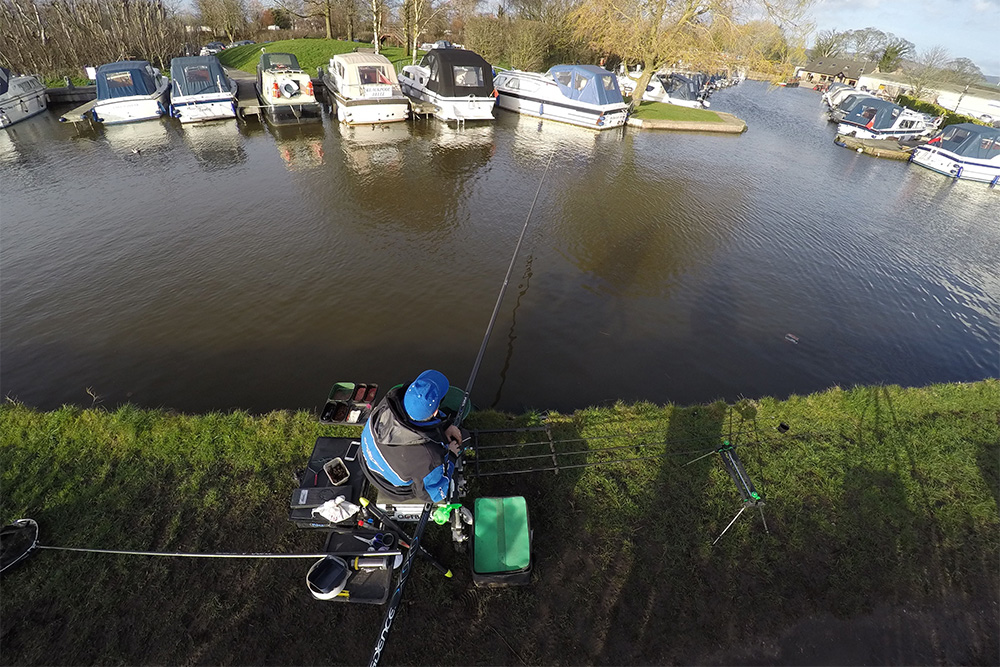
828, 70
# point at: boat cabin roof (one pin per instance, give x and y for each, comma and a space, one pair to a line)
873, 112
458, 73
4, 80
125, 79
971, 140
681, 87
198, 74
278, 60
587, 83
364, 68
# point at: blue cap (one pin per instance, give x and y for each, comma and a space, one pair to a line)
424, 395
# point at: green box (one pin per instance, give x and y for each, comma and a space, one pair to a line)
501, 545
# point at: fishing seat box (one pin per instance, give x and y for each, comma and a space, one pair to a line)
315, 487
501, 543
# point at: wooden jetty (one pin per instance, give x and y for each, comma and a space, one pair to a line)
887, 148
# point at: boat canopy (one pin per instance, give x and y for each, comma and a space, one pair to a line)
364, 68
198, 75
125, 79
970, 140
4, 80
587, 83
680, 87
458, 73
874, 113
279, 60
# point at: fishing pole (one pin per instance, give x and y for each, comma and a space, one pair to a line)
404, 572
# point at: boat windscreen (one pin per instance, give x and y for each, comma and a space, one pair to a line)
373, 74
197, 76
279, 60
970, 141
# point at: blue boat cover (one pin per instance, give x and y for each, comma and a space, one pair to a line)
874, 113
198, 75
970, 140
587, 83
124, 79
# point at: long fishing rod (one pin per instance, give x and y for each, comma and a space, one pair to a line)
404, 572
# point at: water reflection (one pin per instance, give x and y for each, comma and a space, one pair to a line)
300, 146
215, 145
139, 137
373, 149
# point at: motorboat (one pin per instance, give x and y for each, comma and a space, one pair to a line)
836, 92
880, 119
365, 88
200, 90
285, 91
847, 105
963, 150
584, 95
129, 91
679, 89
21, 96
456, 82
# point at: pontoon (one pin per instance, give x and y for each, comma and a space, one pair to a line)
458, 83
584, 95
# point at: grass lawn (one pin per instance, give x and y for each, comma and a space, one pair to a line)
311, 53
661, 111
881, 505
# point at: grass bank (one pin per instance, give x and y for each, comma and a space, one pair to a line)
661, 111
881, 504
311, 53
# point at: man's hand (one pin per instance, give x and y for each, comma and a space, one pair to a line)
454, 435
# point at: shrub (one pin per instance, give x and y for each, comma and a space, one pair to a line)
948, 117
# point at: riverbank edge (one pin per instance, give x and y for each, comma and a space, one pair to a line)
881, 503
730, 124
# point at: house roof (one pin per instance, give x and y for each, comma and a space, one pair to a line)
835, 66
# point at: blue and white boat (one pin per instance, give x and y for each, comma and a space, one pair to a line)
200, 90
584, 95
20, 97
963, 150
879, 119
129, 91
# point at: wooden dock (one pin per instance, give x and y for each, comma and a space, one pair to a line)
70, 94
887, 148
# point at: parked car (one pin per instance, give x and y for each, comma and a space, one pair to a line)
242, 42
212, 48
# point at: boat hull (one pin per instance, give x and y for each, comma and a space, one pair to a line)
130, 109
290, 114
367, 110
956, 166
29, 101
862, 132
200, 108
465, 108
590, 116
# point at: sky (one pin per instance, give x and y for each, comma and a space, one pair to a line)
966, 28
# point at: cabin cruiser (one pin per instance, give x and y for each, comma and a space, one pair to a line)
20, 97
836, 92
847, 105
365, 88
686, 91
879, 119
284, 90
129, 91
963, 150
584, 95
458, 83
200, 90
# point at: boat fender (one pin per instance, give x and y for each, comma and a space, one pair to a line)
289, 88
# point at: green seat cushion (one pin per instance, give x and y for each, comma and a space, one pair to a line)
502, 541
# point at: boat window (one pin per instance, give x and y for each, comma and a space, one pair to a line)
608, 82
565, 78
954, 137
895, 113
372, 74
197, 74
513, 84
119, 80
467, 76
907, 124
435, 69
581, 81
340, 69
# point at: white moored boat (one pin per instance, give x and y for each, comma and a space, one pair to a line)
678, 89
365, 88
873, 118
20, 97
584, 95
201, 90
458, 83
129, 91
285, 91
964, 150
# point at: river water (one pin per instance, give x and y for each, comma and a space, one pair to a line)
236, 266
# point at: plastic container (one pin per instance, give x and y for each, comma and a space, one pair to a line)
349, 403
336, 470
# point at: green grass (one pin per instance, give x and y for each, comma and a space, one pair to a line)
661, 111
877, 498
311, 53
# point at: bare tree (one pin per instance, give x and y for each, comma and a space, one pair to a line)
927, 68
829, 44
228, 16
